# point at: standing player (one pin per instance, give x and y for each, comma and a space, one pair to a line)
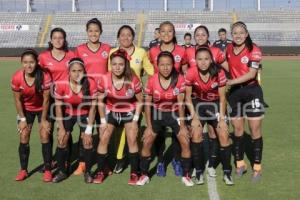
55, 61
95, 56
245, 96
201, 35
207, 83
164, 106
120, 103
75, 102
223, 41
139, 61
187, 40
31, 88
169, 43
156, 41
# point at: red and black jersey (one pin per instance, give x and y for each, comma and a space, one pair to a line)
120, 100
240, 64
178, 54
31, 100
58, 69
96, 63
73, 102
164, 99
205, 91
218, 55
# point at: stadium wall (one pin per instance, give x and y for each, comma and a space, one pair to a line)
267, 50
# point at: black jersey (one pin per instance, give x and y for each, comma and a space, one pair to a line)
222, 44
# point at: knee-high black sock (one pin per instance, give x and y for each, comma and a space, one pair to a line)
145, 164
257, 150
61, 156
24, 151
101, 161
160, 146
47, 155
70, 148
88, 156
239, 148
213, 152
225, 154
80, 150
186, 165
197, 156
134, 162
176, 149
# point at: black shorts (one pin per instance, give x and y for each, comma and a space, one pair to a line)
30, 116
119, 118
207, 111
161, 120
70, 121
246, 101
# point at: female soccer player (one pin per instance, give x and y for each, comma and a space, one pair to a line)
95, 56
75, 102
207, 83
169, 43
31, 88
245, 96
139, 61
121, 90
201, 36
165, 91
55, 61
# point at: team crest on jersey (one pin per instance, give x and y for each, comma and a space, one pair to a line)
214, 85
245, 59
177, 58
129, 93
104, 54
137, 61
176, 91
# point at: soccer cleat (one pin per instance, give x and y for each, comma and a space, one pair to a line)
59, 177
199, 178
160, 170
241, 168
193, 172
187, 181
143, 180
256, 176
47, 177
177, 167
80, 169
228, 179
22, 175
99, 178
119, 166
133, 179
88, 177
211, 172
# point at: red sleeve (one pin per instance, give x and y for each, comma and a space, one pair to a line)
220, 57
184, 59
15, 83
76, 52
181, 84
41, 60
222, 78
189, 78
47, 81
149, 87
137, 85
59, 91
93, 88
150, 55
101, 84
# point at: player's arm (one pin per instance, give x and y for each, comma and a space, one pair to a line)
222, 94
139, 105
181, 112
148, 117
242, 79
59, 114
101, 107
46, 97
18, 104
225, 65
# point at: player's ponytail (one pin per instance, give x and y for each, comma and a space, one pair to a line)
248, 41
214, 68
174, 73
84, 82
38, 72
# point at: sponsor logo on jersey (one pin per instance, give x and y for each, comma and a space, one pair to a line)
104, 54
245, 59
137, 61
177, 58
176, 91
214, 85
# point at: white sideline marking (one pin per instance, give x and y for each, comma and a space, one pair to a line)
212, 188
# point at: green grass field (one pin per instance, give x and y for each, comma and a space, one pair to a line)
281, 157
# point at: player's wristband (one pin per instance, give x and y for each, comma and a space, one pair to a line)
88, 130
103, 121
135, 118
22, 119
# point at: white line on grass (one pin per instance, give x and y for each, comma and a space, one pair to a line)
212, 188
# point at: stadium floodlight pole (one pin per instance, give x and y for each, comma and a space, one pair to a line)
119, 6
166, 5
258, 5
194, 4
211, 5
28, 8
73, 6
